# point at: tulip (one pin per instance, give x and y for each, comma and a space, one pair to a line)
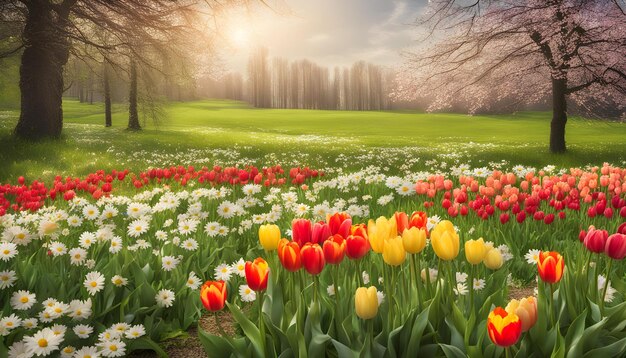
269, 236
289, 255
340, 223
213, 295
320, 233
301, 231
393, 251
359, 230
595, 240
257, 273
504, 328
378, 232
475, 251
445, 241
526, 310
616, 246
493, 259
356, 246
402, 221
622, 229
414, 240
550, 266
419, 220
312, 258
334, 249
366, 302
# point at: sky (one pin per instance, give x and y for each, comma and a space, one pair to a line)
328, 32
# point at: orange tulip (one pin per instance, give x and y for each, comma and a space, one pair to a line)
402, 221
526, 310
257, 273
359, 230
339, 223
213, 295
550, 266
504, 328
334, 249
289, 255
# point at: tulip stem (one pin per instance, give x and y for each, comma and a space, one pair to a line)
606, 286
471, 288
316, 282
507, 352
219, 325
261, 323
417, 272
392, 305
596, 271
552, 304
370, 333
428, 288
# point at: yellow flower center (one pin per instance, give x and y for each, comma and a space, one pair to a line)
24, 299
113, 348
58, 310
43, 343
93, 284
9, 324
6, 252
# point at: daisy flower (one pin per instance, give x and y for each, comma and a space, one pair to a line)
18, 350
247, 294
169, 263
79, 310
30, 323
405, 189
193, 281
113, 348
135, 331
10, 322
43, 342
83, 331
90, 212
86, 239
22, 300
239, 267
478, 284
119, 281
223, 272
532, 257
8, 250
381, 297
460, 289
94, 282
77, 256
461, 277
137, 228
116, 245
189, 244
226, 210
165, 298
7, 279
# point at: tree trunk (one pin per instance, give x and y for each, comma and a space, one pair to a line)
107, 96
559, 116
41, 75
133, 116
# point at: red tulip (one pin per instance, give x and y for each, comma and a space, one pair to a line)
596, 240
504, 328
622, 229
312, 258
402, 221
257, 273
616, 246
334, 249
419, 219
548, 219
301, 231
339, 223
359, 230
321, 232
213, 295
289, 255
504, 218
550, 266
357, 246
582, 235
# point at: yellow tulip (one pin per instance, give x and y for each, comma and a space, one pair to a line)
269, 236
393, 251
366, 302
445, 241
526, 310
475, 251
378, 232
493, 259
414, 240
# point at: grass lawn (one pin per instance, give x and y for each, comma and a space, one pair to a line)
226, 132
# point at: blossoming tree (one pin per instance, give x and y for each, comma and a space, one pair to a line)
521, 51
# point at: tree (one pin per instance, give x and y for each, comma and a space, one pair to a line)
522, 51
49, 30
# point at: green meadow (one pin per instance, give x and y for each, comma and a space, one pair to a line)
204, 133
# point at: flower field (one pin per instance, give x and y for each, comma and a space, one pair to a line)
314, 262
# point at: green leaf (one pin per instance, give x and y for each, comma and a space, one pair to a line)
574, 335
215, 345
146, 343
612, 350
452, 351
249, 329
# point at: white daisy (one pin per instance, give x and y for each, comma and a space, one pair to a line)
247, 294
83, 331
43, 342
193, 281
461, 277
87, 352
8, 250
22, 300
189, 244
94, 282
137, 228
78, 255
460, 289
169, 263
479, 284
119, 281
532, 257
113, 348
165, 298
239, 267
7, 279
223, 272
135, 331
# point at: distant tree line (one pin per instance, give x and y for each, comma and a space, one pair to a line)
304, 84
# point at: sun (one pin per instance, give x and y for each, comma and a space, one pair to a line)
239, 38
